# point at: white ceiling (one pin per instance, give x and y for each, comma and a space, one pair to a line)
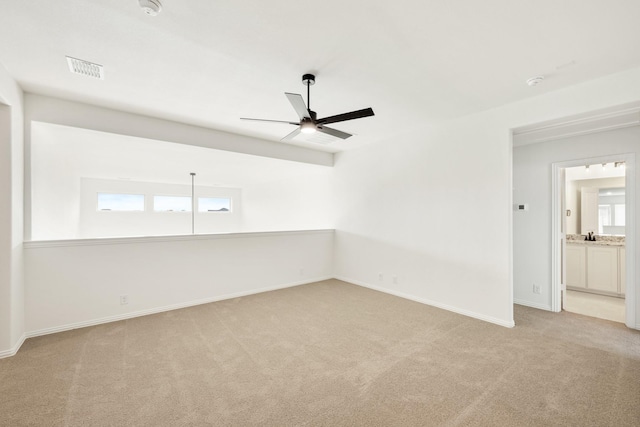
414, 62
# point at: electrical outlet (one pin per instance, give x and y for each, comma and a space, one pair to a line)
380, 277
536, 289
124, 299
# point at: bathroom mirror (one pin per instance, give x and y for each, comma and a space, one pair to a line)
602, 211
611, 211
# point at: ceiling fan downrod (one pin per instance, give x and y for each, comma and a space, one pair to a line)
308, 80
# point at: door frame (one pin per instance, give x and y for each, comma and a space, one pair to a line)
557, 231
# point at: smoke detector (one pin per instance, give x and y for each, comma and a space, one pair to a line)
151, 7
533, 81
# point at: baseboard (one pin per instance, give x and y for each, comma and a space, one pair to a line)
467, 313
532, 304
13, 350
156, 310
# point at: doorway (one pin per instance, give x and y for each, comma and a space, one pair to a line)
596, 196
594, 256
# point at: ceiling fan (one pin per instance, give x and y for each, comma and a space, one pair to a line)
309, 123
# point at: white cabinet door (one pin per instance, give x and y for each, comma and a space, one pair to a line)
623, 270
576, 267
588, 210
602, 268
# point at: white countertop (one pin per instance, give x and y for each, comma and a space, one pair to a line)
596, 243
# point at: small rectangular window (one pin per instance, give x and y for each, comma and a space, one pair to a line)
214, 204
172, 204
120, 202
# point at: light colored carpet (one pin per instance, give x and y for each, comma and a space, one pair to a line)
600, 306
325, 354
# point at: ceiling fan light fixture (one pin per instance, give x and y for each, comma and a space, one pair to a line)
307, 127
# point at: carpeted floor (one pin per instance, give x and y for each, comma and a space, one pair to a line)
325, 354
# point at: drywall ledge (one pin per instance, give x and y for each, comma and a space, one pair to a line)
75, 114
77, 283
169, 238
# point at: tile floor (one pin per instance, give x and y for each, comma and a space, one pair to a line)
600, 306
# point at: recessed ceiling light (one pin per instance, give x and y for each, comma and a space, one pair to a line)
151, 7
533, 81
85, 68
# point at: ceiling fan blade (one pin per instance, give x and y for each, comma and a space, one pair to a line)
298, 104
268, 120
346, 116
333, 132
291, 135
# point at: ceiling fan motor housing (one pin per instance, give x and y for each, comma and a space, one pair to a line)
308, 79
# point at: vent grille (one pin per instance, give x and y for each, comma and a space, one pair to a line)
85, 68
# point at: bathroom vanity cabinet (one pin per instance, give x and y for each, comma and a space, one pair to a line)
597, 268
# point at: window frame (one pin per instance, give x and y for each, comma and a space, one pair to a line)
144, 202
228, 211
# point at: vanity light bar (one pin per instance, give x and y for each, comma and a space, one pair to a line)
604, 165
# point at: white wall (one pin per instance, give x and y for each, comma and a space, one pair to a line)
434, 206
11, 215
297, 200
532, 184
572, 203
430, 208
78, 283
275, 194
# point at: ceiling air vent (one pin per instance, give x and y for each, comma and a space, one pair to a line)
85, 68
